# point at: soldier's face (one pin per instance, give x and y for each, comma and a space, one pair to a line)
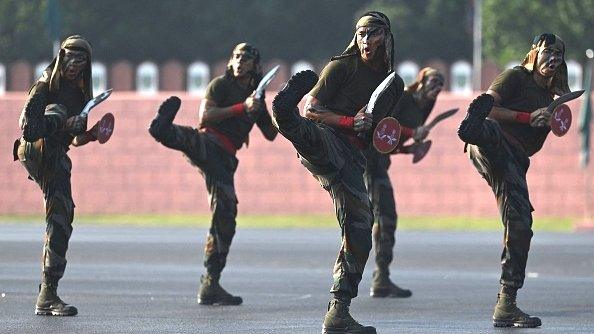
370, 42
242, 63
73, 64
432, 87
548, 61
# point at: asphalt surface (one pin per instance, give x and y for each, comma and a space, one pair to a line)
144, 280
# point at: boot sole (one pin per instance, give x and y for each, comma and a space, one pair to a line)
208, 301
39, 311
511, 323
302, 82
476, 114
165, 116
290, 95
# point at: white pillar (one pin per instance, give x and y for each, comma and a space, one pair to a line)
461, 77
301, 65
39, 68
2, 79
574, 75
408, 71
198, 77
147, 78
99, 72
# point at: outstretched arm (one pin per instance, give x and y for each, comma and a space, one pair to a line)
86, 137
83, 139
264, 122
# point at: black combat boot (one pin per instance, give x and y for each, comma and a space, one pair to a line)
212, 293
382, 287
471, 128
38, 125
34, 127
338, 320
289, 96
164, 117
48, 302
507, 314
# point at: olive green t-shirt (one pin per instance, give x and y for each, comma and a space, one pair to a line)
519, 92
345, 86
225, 92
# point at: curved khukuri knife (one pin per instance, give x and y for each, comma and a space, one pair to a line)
266, 80
419, 149
379, 90
561, 114
441, 117
95, 101
563, 99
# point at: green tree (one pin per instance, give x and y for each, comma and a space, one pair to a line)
22, 30
510, 26
182, 29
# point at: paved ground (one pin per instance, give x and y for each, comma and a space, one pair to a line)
144, 280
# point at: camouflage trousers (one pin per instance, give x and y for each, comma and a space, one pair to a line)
49, 166
504, 167
217, 166
381, 195
339, 167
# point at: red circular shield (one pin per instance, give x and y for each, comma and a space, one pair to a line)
386, 135
421, 151
561, 120
105, 128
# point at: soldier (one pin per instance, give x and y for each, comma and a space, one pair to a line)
227, 114
329, 147
500, 147
50, 122
412, 111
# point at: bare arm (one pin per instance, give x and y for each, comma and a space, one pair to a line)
264, 122
537, 118
500, 113
315, 111
209, 112
328, 117
83, 139
86, 137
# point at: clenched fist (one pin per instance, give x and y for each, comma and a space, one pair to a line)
363, 121
420, 133
540, 118
76, 125
252, 105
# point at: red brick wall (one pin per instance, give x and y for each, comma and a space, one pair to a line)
134, 174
